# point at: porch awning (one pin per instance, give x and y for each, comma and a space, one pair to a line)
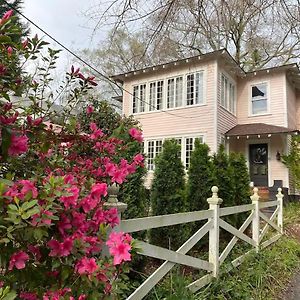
258, 129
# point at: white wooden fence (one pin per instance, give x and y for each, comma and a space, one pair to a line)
260, 225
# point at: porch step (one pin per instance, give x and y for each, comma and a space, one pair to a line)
263, 193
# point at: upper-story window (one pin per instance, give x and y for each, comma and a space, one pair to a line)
139, 98
156, 95
259, 99
175, 92
194, 88
228, 97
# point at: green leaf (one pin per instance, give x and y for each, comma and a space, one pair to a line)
25, 206
10, 296
30, 213
13, 207
4, 39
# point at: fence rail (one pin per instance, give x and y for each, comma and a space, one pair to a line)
257, 218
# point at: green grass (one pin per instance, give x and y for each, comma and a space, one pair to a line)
260, 276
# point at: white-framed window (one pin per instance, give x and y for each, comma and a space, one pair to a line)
139, 98
259, 98
154, 147
174, 92
228, 97
156, 95
194, 88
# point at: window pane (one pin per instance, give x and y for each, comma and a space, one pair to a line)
134, 100
142, 97
189, 144
152, 95
159, 99
150, 160
259, 106
199, 88
179, 88
171, 93
223, 91
190, 89
259, 99
158, 147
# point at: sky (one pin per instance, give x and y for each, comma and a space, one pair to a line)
64, 20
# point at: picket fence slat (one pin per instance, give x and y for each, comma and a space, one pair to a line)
234, 240
140, 224
236, 232
266, 227
173, 256
271, 223
200, 283
226, 211
270, 241
268, 204
156, 276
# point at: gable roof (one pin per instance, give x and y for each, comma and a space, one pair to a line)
223, 53
292, 69
258, 128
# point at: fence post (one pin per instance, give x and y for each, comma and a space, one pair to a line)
279, 197
256, 221
113, 202
214, 233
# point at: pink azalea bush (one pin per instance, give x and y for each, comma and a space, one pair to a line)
54, 227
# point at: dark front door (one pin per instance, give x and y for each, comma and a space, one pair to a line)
258, 163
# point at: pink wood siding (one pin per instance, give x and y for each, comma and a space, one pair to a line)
192, 120
298, 110
277, 98
291, 106
226, 120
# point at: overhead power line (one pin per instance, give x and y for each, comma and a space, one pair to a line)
89, 65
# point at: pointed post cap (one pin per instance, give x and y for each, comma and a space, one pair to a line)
113, 191
215, 198
255, 196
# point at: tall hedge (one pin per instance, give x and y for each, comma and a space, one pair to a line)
241, 183
200, 177
223, 174
168, 195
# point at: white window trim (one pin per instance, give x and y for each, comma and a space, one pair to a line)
165, 93
230, 81
183, 138
250, 114
146, 104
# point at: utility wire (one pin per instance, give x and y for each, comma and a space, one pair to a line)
89, 65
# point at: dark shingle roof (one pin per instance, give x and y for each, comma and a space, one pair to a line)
257, 128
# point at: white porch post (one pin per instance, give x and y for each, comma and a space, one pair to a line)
279, 197
255, 222
214, 232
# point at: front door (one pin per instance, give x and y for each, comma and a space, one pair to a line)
258, 164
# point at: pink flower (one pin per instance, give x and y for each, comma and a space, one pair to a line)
24, 43
18, 260
119, 247
138, 159
88, 203
9, 51
112, 217
89, 109
1, 283
35, 251
136, 134
86, 266
60, 249
43, 216
35, 122
96, 131
6, 16
28, 296
70, 200
9, 120
18, 145
28, 186
98, 190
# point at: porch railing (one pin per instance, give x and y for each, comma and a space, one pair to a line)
260, 225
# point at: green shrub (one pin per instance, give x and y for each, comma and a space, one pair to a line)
168, 195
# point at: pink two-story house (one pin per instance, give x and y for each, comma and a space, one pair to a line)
212, 98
